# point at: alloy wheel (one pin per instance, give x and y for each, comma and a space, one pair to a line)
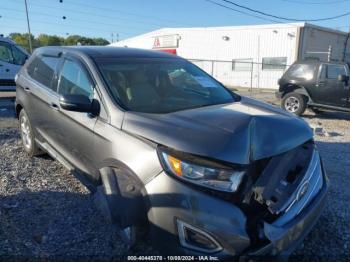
292, 104
26, 133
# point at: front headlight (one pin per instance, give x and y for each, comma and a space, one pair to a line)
217, 178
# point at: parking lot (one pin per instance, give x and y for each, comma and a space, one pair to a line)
45, 211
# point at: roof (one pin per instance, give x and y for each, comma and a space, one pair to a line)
108, 52
6, 39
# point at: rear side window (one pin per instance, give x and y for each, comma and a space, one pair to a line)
42, 69
74, 80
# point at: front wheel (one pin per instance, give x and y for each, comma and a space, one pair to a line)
294, 103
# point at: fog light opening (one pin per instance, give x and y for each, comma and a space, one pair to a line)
196, 239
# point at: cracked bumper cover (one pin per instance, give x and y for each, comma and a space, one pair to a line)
170, 199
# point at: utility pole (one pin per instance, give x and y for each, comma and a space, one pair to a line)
29, 33
346, 46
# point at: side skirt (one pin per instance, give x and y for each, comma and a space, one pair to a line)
343, 109
81, 176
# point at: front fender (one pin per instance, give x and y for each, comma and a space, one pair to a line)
299, 89
121, 197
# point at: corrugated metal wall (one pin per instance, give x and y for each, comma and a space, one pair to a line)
252, 43
318, 40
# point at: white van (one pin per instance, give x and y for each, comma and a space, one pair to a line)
12, 57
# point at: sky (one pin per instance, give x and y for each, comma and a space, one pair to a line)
127, 18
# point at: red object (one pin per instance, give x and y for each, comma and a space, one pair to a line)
156, 42
170, 51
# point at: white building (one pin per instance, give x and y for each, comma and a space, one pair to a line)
246, 56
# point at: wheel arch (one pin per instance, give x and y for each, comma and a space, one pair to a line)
123, 193
18, 109
289, 88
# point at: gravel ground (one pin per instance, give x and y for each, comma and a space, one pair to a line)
45, 211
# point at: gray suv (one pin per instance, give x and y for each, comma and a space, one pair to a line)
167, 150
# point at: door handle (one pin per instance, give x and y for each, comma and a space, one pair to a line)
54, 106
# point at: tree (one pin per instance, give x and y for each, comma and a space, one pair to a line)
100, 41
47, 40
54, 40
22, 40
72, 40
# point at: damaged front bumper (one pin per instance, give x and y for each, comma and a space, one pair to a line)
225, 223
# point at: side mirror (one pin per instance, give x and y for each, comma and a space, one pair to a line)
24, 60
343, 78
76, 103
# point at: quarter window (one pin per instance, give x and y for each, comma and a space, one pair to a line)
5, 52
74, 80
274, 63
42, 69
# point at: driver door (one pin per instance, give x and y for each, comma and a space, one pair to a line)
332, 91
74, 131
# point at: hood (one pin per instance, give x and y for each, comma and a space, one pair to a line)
238, 133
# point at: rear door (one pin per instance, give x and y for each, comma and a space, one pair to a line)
331, 91
41, 94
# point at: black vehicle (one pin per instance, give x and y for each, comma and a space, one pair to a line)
315, 85
166, 147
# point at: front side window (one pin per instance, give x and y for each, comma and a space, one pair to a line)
333, 71
19, 57
157, 85
74, 80
5, 52
42, 69
274, 63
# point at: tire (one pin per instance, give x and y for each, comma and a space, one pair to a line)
294, 103
27, 135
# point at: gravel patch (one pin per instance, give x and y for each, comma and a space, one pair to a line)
45, 211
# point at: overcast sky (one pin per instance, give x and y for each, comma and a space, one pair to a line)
101, 18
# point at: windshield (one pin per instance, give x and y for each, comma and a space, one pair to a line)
161, 85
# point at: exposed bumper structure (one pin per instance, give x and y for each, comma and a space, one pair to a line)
171, 200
